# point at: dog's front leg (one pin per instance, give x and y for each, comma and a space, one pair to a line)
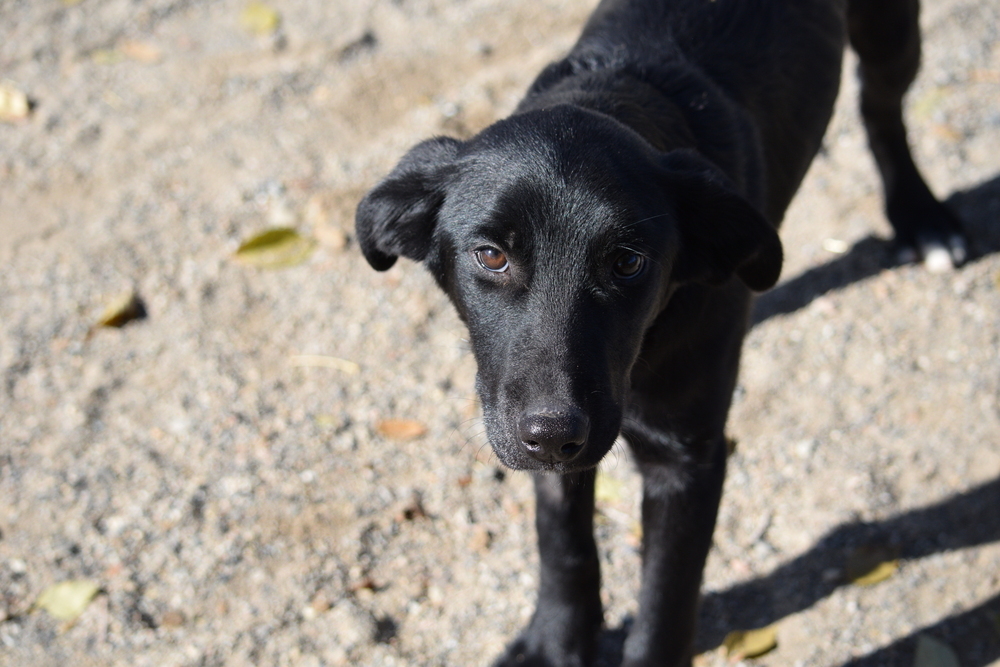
563, 630
679, 505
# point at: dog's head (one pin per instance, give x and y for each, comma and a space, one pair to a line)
559, 236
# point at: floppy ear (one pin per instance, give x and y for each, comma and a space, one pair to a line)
398, 216
721, 232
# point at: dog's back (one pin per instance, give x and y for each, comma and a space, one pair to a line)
779, 61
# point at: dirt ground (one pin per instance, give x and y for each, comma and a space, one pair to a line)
218, 468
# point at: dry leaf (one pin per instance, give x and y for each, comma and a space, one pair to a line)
276, 248
934, 653
741, 644
481, 539
14, 104
140, 51
123, 309
106, 56
607, 489
881, 572
260, 19
871, 564
324, 361
327, 421
173, 619
67, 600
924, 107
401, 429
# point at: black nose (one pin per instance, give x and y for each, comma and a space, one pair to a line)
553, 434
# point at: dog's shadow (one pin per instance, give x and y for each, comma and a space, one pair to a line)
978, 208
966, 520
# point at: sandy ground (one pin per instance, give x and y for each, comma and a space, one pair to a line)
237, 503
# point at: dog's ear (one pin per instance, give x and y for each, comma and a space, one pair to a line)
398, 216
721, 232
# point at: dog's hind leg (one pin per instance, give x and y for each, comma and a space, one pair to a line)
564, 628
679, 506
886, 36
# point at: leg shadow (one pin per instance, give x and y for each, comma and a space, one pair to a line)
974, 635
966, 520
978, 208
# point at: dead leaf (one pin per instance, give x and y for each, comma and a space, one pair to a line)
401, 429
123, 309
67, 600
106, 56
276, 248
173, 619
328, 421
946, 132
481, 539
881, 572
14, 104
364, 584
924, 107
934, 653
140, 51
871, 564
742, 644
324, 361
259, 19
607, 489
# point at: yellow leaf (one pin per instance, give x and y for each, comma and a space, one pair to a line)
607, 489
123, 309
401, 429
14, 104
67, 600
924, 107
140, 51
871, 564
260, 19
276, 248
324, 361
881, 572
106, 56
742, 644
934, 653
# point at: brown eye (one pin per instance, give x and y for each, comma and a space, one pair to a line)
628, 265
492, 259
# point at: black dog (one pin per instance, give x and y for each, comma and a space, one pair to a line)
602, 244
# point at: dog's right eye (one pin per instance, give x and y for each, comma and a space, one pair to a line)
492, 259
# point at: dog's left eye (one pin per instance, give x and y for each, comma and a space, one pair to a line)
628, 265
492, 259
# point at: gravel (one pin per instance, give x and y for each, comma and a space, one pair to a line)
236, 501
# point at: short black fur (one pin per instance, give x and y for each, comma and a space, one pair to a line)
669, 141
